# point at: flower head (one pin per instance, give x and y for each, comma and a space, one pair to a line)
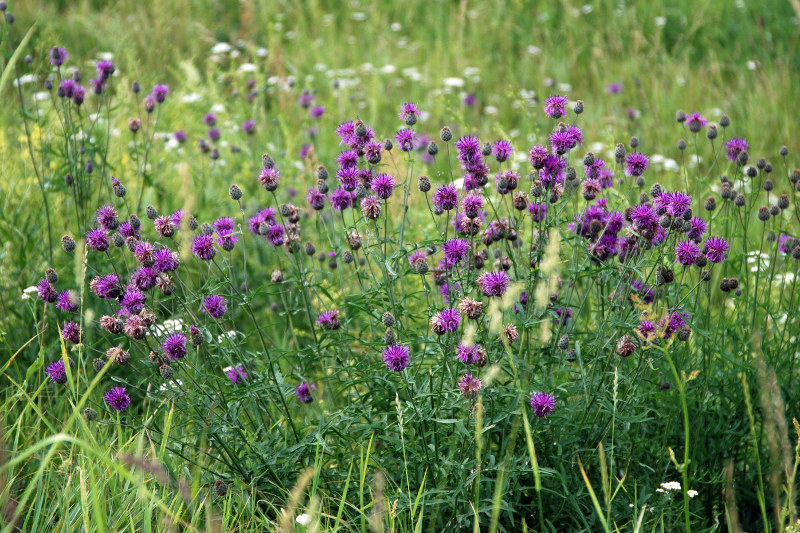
502, 150
445, 321
106, 286
454, 251
174, 346
46, 291
57, 56
203, 247
736, 146
303, 392
341, 199
636, 164
396, 357
409, 113
329, 320
117, 398
383, 185
97, 239
554, 106
470, 386
160, 93
493, 283
57, 372
715, 249
542, 403
236, 374
686, 253
72, 332
471, 354
446, 197
214, 306
405, 139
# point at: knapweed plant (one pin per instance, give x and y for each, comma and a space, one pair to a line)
465, 333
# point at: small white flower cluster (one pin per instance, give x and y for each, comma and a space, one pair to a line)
669, 486
26, 294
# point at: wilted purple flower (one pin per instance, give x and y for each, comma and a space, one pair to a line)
383, 185
446, 197
236, 374
715, 249
341, 199
57, 372
97, 239
471, 354
736, 146
470, 386
493, 283
542, 404
316, 112
502, 150
68, 301
554, 106
57, 56
329, 320
160, 93
636, 164
396, 357
117, 398
686, 253
405, 139
174, 346
303, 392
445, 321
203, 247
214, 306
72, 332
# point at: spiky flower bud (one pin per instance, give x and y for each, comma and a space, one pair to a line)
267, 161
220, 488
710, 204
742, 158
705, 275
681, 144
310, 249
763, 213
322, 172
387, 145
151, 212
51, 275
655, 190
166, 372
90, 414
739, 200
783, 201
424, 184
446, 134
68, 244
235, 192
578, 107
588, 159
433, 148
711, 132
774, 210
360, 128
322, 186
388, 336
619, 153
634, 142
684, 333
784, 151
98, 364
563, 342
724, 121
680, 116
768, 185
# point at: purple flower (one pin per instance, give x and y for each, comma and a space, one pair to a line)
538, 210
445, 321
165, 260
305, 99
383, 185
68, 301
715, 249
315, 199
446, 197
576, 135
133, 300
417, 257
269, 177
143, 252
470, 386
214, 306
644, 217
316, 112
329, 320
646, 330
469, 99
214, 134
493, 283
57, 372
552, 173
276, 234
736, 146
180, 136
554, 106
303, 392
72, 332
471, 354
341, 199
144, 278
636, 164
106, 286
676, 202
249, 127
160, 93
405, 139
236, 374
97, 239
454, 251
209, 119
46, 291
117, 398
694, 119
57, 56
203, 247
538, 155
265, 216
105, 68
614, 88
563, 314
561, 141
686, 253
697, 226
107, 217
174, 346
502, 150
396, 357
542, 403
407, 111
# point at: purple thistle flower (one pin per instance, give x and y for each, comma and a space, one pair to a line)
405, 139
493, 283
470, 386
502, 150
174, 346
694, 119
97, 239
470, 354
647, 294
341, 199
396, 357
269, 177
214, 134
697, 227
106, 287
107, 217
227, 242
563, 314
538, 210
144, 278
538, 155
317, 112
614, 88
446, 197
329, 320
105, 68
46, 291
646, 330
72, 332
383, 185
786, 243
347, 159
445, 321
68, 301
686, 253
249, 127
561, 141
165, 260
472, 204
117, 398
552, 173
348, 177
57, 372
644, 217
676, 203
542, 403
576, 136
736, 146
143, 252
454, 251
224, 225
160, 93
636, 164
715, 249
203, 247
315, 199
133, 300
554, 106
214, 306
303, 392
407, 111
469, 99
57, 56
276, 234
305, 99
265, 216
209, 119
417, 257
180, 136
236, 374
66, 88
